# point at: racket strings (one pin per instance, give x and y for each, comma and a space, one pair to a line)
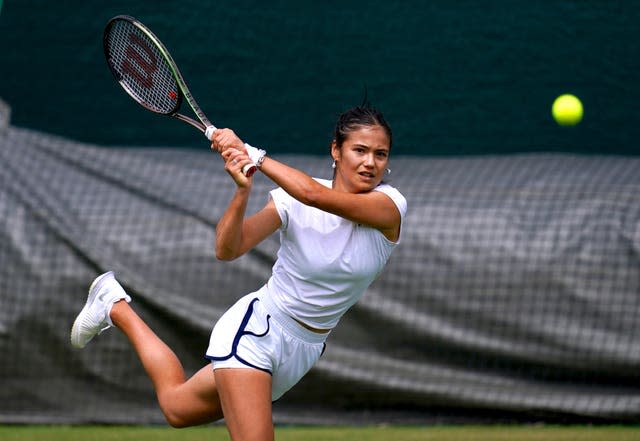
141, 68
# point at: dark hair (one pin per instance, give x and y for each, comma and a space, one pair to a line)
356, 118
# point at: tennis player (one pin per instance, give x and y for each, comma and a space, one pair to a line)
336, 236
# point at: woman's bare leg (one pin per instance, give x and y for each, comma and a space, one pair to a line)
183, 402
246, 400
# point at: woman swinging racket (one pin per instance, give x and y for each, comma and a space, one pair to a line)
335, 238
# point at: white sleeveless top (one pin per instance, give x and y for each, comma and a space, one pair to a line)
325, 262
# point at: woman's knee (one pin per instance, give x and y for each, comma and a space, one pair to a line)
181, 413
176, 421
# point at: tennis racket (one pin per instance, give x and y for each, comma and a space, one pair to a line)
144, 68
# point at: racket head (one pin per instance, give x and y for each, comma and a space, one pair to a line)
142, 65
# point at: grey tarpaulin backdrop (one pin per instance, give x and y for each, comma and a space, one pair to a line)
514, 292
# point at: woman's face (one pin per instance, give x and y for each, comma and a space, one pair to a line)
362, 160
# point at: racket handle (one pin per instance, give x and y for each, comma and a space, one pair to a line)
256, 155
209, 132
249, 170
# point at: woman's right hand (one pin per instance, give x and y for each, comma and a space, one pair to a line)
232, 150
234, 161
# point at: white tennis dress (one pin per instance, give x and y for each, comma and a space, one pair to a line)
324, 265
325, 262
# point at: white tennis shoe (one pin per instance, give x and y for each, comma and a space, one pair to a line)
94, 317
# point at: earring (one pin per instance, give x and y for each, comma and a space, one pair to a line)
333, 165
388, 171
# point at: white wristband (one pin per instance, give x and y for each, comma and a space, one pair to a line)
256, 155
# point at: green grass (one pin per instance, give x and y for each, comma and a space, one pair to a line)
385, 433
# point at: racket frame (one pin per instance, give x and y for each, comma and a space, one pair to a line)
184, 92
203, 124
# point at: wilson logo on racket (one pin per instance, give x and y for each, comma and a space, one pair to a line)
146, 66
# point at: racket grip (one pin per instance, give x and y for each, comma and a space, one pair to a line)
209, 132
249, 170
256, 155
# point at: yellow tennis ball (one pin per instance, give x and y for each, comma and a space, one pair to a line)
567, 110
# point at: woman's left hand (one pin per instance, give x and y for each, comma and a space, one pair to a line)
224, 139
